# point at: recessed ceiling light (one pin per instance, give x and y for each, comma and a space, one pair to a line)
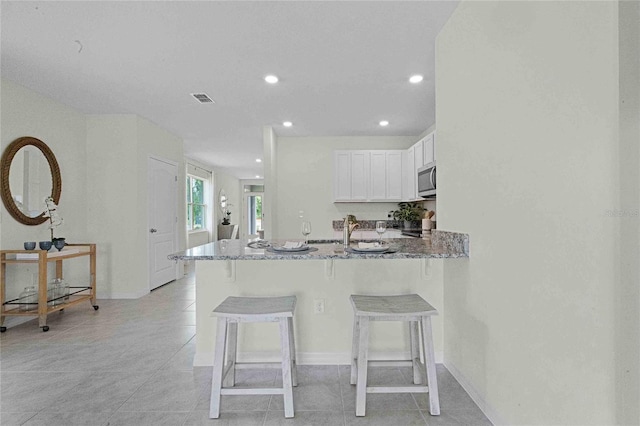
415, 78
271, 79
287, 124
384, 123
258, 160
257, 176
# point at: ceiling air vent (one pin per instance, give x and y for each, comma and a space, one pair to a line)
203, 98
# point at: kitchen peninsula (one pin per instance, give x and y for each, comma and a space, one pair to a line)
322, 280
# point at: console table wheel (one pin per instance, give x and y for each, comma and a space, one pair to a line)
96, 307
3, 329
45, 328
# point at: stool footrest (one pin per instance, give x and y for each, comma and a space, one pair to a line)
390, 363
398, 389
257, 365
251, 391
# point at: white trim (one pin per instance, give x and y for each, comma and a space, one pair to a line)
205, 359
484, 406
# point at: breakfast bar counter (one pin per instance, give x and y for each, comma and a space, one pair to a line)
322, 280
441, 244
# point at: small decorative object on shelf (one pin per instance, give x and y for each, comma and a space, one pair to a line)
58, 243
226, 218
28, 299
29, 245
45, 245
51, 212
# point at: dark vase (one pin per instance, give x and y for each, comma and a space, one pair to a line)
412, 224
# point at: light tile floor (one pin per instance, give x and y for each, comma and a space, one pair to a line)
130, 363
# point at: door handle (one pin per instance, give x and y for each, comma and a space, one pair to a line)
153, 230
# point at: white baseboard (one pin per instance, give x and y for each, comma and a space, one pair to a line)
205, 359
488, 411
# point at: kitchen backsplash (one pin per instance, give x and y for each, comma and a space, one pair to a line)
338, 225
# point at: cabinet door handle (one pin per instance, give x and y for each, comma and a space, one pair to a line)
152, 230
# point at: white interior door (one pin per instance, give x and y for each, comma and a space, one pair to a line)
163, 192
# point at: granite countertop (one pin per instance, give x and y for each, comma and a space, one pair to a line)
441, 244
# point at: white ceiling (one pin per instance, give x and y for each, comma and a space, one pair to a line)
343, 66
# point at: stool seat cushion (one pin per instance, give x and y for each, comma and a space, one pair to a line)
381, 306
235, 307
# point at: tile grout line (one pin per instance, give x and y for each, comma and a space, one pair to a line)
344, 413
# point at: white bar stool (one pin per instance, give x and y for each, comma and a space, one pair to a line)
252, 309
413, 309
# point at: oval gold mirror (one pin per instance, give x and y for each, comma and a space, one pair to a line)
29, 173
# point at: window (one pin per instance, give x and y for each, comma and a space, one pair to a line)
196, 206
254, 213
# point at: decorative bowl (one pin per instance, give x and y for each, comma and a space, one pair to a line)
45, 245
29, 245
59, 244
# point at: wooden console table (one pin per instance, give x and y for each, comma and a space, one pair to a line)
42, 258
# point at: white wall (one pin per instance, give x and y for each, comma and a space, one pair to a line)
26, 113
270, 163
112, 204
118, 149
527, 110
231, 186
305, 182
627, 310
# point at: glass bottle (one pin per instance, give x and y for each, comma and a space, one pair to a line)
64, 292
55, 292
28, 299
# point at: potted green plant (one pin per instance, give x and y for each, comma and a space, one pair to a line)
410, 213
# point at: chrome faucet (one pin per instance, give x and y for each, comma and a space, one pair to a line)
348, 226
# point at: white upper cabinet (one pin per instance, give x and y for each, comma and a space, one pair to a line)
394, 175
342, 175
421, 153
428, 147
419, 158
359, 175
409, 180
378, 176
381, 175
369, 176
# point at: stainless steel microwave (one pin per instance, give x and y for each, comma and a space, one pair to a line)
427, 181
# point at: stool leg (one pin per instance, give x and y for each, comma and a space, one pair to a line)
218, 367
354, 351
430, 363
363, 349
286, 368
292, 346
415, 351
232, 349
